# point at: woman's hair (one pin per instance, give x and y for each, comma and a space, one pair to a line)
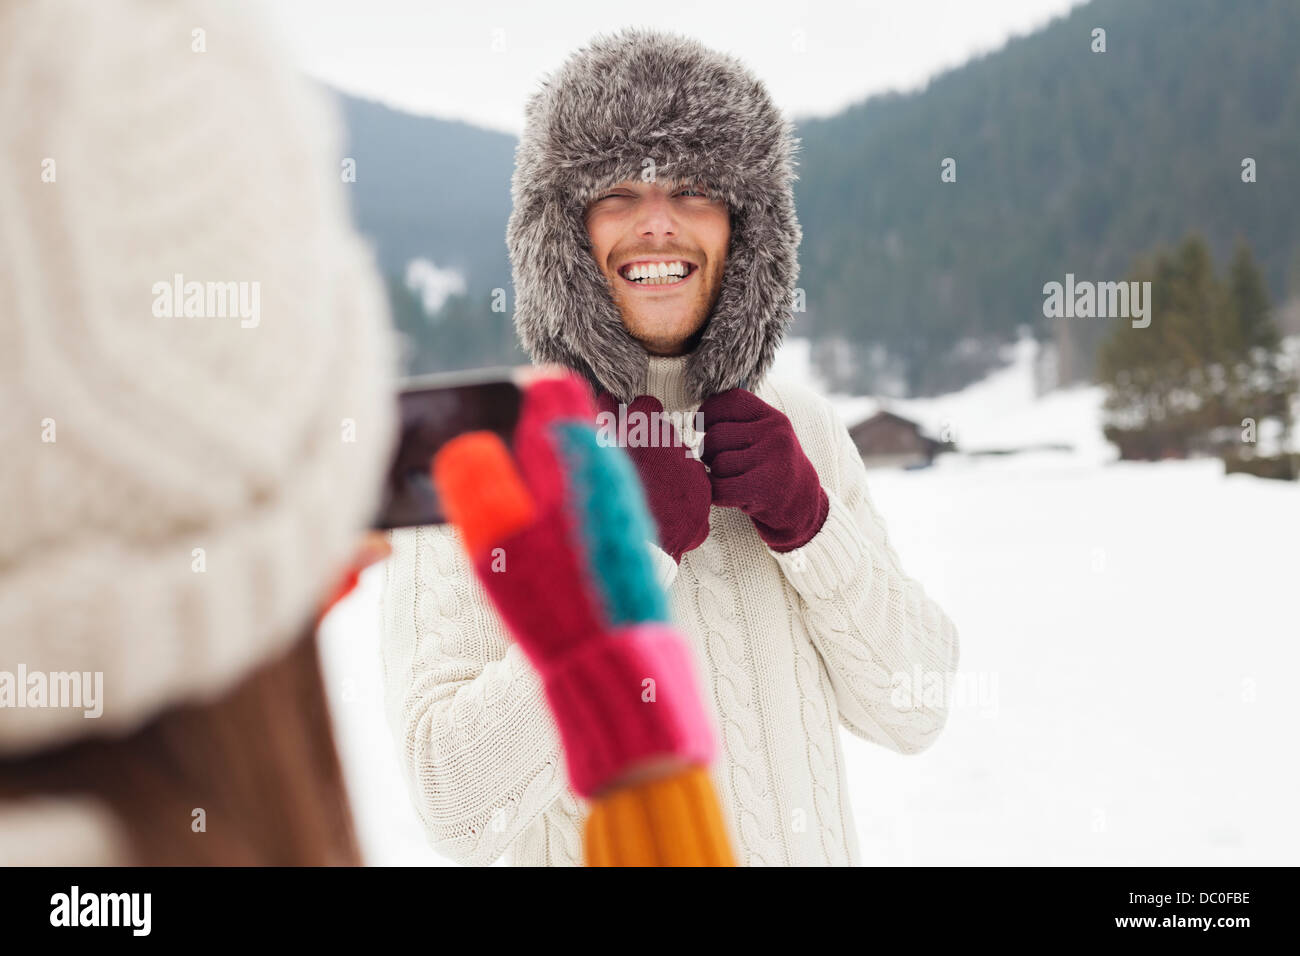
259, 762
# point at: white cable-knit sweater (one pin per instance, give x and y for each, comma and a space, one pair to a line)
787, 645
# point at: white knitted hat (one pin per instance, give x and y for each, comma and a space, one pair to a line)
133, 150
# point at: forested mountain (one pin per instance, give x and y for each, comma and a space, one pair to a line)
432, 189
1066, 161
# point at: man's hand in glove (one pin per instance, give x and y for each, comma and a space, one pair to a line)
756, 464
675, 482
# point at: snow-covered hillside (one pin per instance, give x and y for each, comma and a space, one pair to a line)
1128, 634
998, 412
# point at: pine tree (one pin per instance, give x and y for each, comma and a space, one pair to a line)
1210, 358
1258, 382
1153, 403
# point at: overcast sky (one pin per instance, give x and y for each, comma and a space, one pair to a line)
478, 60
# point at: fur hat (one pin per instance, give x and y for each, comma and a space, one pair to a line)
697, 114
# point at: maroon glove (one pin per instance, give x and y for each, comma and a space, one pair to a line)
675, 482
756, 464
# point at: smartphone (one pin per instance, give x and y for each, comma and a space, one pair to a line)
433, 410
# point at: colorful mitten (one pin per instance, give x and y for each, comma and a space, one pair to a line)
558, 544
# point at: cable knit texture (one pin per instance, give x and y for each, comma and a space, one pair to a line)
788, 646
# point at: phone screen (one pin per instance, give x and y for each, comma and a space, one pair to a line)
434, 410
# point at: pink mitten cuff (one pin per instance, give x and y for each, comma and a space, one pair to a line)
610, 717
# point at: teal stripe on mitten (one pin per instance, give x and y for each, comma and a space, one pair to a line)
609, 504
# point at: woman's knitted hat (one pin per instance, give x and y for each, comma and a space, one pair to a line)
195, 365
643, 96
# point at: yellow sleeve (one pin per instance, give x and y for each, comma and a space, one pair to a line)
671, 821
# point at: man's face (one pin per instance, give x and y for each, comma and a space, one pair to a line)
637, 229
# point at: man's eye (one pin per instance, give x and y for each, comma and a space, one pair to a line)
698, 192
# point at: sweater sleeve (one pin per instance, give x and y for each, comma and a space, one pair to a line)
478, 745
890, 650
668, 821
665, 568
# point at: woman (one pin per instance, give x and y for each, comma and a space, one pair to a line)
180, 491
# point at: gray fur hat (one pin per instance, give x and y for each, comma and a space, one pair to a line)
698, 115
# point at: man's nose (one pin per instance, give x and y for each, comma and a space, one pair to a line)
654, 215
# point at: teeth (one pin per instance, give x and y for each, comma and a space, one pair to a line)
657, 273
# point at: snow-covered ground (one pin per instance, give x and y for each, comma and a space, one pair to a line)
1129, 637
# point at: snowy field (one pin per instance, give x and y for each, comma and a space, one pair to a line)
1129, 638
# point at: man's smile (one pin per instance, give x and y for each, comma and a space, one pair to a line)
657, 274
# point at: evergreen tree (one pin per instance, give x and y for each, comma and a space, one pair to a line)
1152, 372
1258, 382
1210, 358
465, 332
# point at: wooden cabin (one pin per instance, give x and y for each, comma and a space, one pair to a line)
886, 440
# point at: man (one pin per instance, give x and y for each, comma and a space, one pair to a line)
654, 242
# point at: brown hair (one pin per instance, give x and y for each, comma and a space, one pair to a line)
260, 761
